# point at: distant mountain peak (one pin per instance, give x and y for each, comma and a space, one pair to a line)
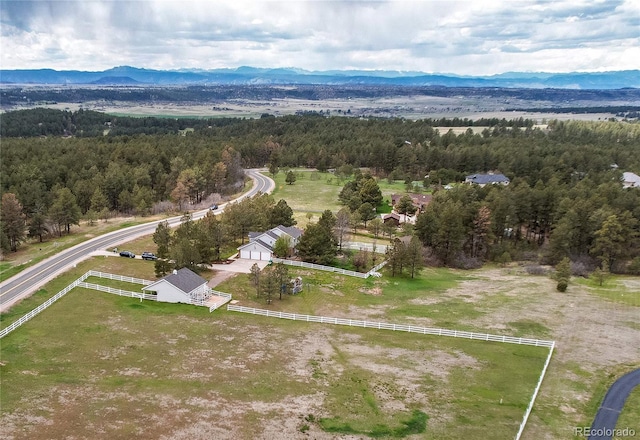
291, 75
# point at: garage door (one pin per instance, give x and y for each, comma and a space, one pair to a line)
245, 254
265, 256
255, 255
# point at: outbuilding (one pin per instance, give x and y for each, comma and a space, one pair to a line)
182, 286
261, 244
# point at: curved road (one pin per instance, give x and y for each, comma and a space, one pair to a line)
605, 422
30, 279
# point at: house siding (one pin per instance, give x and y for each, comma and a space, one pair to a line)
169, 293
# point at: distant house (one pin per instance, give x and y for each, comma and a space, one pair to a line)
182, 286
420, 201
392, 218
261, 244
487, 179
630, 180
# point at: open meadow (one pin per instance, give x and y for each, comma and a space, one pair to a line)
103, 366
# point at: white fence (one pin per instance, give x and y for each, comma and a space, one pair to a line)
14, 325
395, 327
222, 294
80, 283
224, 298
535, 393
377, 268
120, 292
350, 273
110, 276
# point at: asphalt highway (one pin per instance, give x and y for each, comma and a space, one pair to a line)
32, 278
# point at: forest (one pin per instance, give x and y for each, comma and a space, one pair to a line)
565, 198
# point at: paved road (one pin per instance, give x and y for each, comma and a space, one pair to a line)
30, 279
607, 416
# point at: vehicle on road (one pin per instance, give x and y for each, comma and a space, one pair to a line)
149, 256
127, 254
213, 207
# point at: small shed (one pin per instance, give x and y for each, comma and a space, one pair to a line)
182, 286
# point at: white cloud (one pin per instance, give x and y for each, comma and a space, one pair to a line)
464, 37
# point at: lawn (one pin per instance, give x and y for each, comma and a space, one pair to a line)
272, 376
115, 367
623, 290
312, 192
629, 416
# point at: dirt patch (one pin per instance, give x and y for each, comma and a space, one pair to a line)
330, 289
375, 291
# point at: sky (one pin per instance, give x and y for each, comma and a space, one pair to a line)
479, 37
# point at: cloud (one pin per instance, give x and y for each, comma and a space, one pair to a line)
465, 37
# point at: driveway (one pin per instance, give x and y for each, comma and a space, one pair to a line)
604, 425
241, 265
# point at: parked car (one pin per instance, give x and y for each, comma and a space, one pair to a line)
149, 256
213, 207
127, 254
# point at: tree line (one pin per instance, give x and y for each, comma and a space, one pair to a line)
565, 178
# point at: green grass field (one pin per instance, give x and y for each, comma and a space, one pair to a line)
119, 362
312, 191
116, 358
629, 416
623, 290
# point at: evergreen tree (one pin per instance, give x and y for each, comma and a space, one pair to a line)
405, 206
291, 177
65, 211
414, 256
317, 244
162, 239
38, 226
563, 274
281, 214
367, 212
12, 220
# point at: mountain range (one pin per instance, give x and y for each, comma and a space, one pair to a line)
132, 76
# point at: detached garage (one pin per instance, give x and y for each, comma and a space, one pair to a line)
261, 244
255, 250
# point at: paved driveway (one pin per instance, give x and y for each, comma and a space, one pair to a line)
241, 265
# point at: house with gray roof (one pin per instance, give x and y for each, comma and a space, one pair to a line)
261, 244
487, 179
182, 286
630, 180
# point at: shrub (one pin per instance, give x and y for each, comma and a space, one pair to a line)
634, 267
536, 269
583, 265
562, 285
463, 261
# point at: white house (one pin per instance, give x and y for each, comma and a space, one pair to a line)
182, 286
630, 180
261, 244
